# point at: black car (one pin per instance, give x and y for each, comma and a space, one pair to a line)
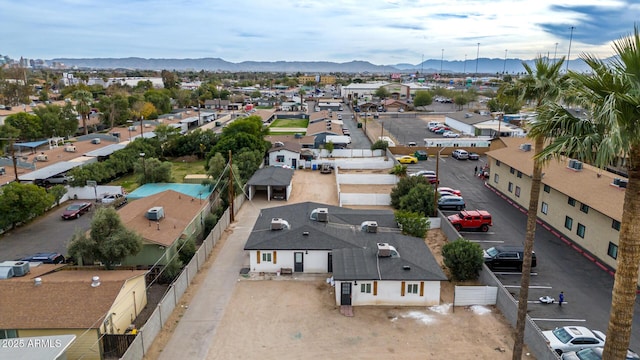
507, 257
45, 258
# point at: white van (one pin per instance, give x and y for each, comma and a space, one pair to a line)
433, 124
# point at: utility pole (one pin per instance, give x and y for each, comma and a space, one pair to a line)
231, 214
441, 61
504, 67
465, 64
570, 40
477, 59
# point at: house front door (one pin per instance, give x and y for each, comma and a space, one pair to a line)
294, 163
345, 291
298, 262
330, 262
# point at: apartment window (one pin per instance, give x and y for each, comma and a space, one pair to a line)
612, 250
517, 191
510, 187
547, 188
412, 288
584, 208
545, 208
568, 222
615, 224
280, 158
496, 178
519, 174
365, 288
571, 201
266, 257
580, 231
512, 170
497, 162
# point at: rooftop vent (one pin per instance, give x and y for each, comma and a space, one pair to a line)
621, 183
386, 250
279, 224
37, 281
369, 226
320, 215
468, 115
95, 281
278, 144
525, 147
575, 165
305, 233
406, 267
155, 213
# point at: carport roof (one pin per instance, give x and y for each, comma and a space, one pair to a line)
49, 171
469, 118
271, 176
106, 151
31, 145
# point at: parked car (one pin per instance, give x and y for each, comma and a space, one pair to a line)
451, 202
407, 159
471, 219
449, 190
474, 156
115, 200
411, 143
45, 258
573, 338
421, 155
594, 354
424, 173
75, 210
432, 179
58, 179
460, 154
507, 257
441, 130
450, 134
326, 168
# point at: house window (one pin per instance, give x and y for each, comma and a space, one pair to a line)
510, 187
547, 188
8, 334
519, 174
571, 201
280, 158
498, 163
581, 230
545, 208
266, 257
365, 288
615, 224
512, 170
568, 222
584, 208
612, 250
412, 288
496, 178
517, 191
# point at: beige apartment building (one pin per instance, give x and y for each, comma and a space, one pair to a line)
321, 79
579, 201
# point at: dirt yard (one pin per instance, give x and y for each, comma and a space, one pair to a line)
290, 318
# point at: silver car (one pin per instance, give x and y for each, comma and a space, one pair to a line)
451, 202
594, 354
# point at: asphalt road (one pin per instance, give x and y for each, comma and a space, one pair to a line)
47, 234
587, 288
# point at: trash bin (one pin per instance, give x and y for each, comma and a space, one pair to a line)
359, 125
314, 167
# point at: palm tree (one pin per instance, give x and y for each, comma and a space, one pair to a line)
540, 85
611, 93
83, 100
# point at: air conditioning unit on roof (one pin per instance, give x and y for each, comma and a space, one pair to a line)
155, 213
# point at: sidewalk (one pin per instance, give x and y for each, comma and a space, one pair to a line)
194, 333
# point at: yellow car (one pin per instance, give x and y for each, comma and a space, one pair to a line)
407, 159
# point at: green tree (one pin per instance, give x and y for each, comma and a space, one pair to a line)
403, 187
463, 258
109, 241
399, 170
382, 92
160, 100
248, 162
152, 170
58, 192
329, 146
114, 109
380, 145
413, 224
83, 100
20, 203
165, 134
255, 94
611, 93
419, 199
541, 85
170, 80
422, 98
29, 125
217, 165
187, 248
460, 100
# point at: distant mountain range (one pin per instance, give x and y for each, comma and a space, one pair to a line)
482, 65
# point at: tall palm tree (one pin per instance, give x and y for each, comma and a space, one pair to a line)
540, 85
83, 100
611, 93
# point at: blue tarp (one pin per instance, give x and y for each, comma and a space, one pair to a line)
194, 190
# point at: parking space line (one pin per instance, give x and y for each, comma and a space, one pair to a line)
530, 287
487, 241
558, 319
475, 232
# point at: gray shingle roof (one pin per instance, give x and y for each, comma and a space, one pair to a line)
354, 251
274, 176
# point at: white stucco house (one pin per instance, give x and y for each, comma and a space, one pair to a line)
369, 267
285, 153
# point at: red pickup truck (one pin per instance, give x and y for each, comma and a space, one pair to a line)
471, 219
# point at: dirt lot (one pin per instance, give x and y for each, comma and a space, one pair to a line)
288, 318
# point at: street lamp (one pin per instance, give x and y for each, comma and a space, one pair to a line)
569, 53
441, 61
504, 67
144, 168
477, 59
501, 119
435, 189
129, 122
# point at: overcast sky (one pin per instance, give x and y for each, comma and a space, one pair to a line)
383, 32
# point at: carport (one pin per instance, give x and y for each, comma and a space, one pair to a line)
274, 180
103, 153
49, 171
32, 146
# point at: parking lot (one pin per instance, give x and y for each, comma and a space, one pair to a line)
587, 288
